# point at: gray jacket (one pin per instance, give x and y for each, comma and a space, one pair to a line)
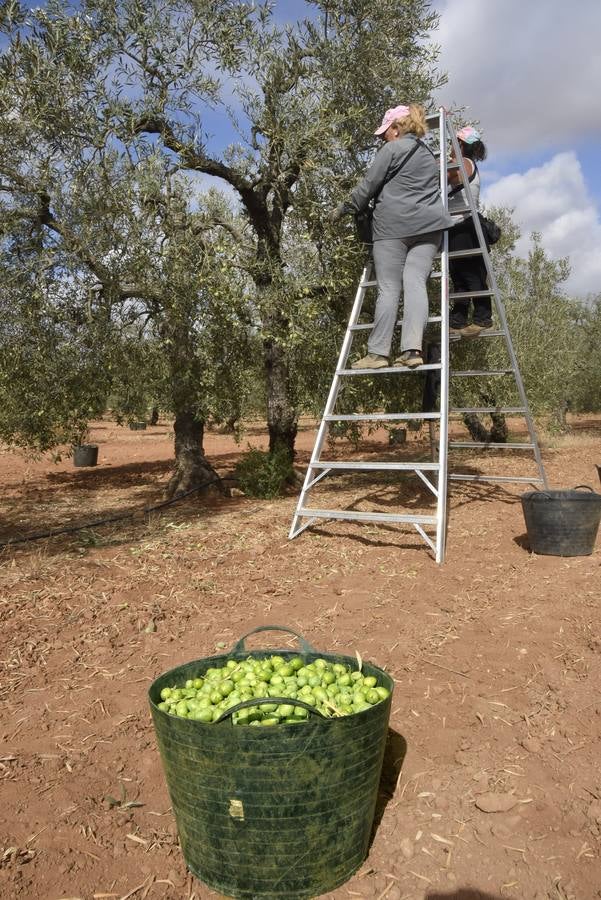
406, 197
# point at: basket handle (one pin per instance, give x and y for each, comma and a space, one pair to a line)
239, 646
585, 487
290, 701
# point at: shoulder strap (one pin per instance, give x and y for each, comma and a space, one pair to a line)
459, 187
404, 160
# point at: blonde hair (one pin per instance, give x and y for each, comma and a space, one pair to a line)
414, 122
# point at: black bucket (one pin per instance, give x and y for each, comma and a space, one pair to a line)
85, 455
273, 812
137, 426
562, 523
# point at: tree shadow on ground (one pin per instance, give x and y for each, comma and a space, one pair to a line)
394, 756
464, 894
475, 492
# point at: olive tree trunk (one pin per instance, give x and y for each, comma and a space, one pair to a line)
192, 469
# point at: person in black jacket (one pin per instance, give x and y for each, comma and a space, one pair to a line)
467, 273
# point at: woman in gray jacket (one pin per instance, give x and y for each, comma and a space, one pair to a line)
408, 220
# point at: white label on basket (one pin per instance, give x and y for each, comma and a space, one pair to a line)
236, 809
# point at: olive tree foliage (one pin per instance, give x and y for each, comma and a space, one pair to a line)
114, 281
114, 286
136, 71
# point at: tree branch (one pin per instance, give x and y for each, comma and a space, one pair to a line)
200, 162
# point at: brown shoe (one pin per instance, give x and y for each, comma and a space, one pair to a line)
476, 328
411, 359
471, 330
371, 361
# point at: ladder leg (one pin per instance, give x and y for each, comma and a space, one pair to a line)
443, 436
494, 289
332, 397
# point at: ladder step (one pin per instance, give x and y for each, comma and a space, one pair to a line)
466, 295
367, 326
387, 370
469, 372
433, 120
381, 417
484, 410
459, 254
366, 516
483, 334
505, 479
368, 284
378, 466
489, 445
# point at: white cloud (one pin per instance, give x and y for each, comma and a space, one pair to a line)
529, 71
554, 200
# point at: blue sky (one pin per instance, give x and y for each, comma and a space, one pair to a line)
529, 73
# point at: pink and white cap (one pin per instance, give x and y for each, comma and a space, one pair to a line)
390, 116
468, 135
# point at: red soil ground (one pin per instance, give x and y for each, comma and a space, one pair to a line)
496, 657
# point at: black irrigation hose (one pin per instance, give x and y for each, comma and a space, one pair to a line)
118, 518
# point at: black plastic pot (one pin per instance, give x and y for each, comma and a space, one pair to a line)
562, 523
137, 426
85, 455
282, 812
397, 436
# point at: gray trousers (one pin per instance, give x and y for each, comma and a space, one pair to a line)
402, 264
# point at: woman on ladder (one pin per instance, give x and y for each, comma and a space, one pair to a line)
468, 273
408, 221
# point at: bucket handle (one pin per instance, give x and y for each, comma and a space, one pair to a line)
578, 487
289, 701
305, 646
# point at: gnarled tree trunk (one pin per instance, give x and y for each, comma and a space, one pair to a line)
192, 469
282, 417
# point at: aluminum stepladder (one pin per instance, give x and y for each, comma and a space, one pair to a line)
434, 472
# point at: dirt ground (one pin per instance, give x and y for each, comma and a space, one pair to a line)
496, 658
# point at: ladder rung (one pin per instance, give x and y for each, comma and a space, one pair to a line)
483, 334
367, 326
366, 516
368, 284
469, 372
378, 466
433, 120
386, 370
484, 410
465, 295
489, 445
381, 417
451, 166
458, 254
498, 478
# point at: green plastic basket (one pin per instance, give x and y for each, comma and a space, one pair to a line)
280, 812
